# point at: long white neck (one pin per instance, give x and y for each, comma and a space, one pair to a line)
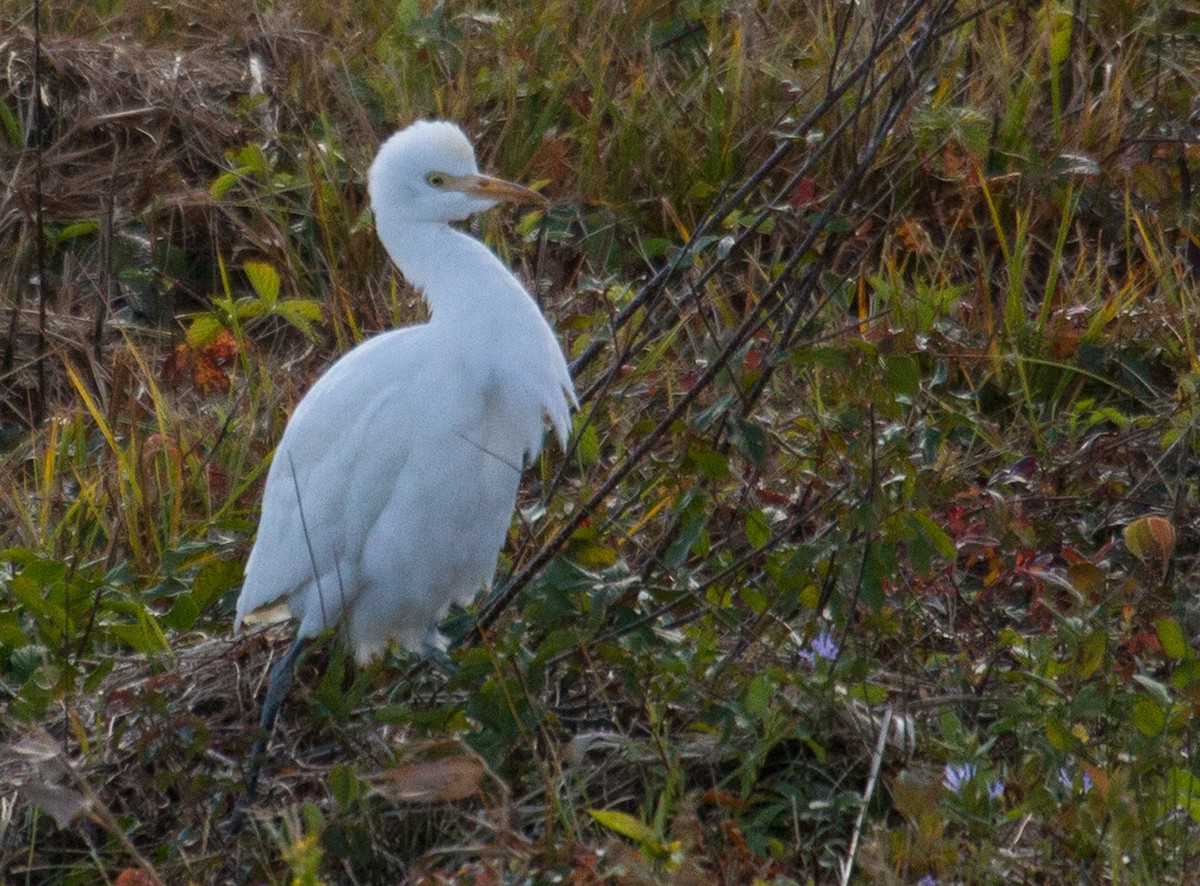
463, 282
472, 297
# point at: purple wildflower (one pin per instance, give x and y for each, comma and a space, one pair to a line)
825, 646
958, 775
996, 790
927, 880
821, 646
1067, 780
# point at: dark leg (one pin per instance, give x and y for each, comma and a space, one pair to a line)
278, 685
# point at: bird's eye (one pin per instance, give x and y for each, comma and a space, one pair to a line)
435, 179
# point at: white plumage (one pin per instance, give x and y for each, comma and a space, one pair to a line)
393, 487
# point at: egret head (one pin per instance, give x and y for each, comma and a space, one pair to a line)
427, 173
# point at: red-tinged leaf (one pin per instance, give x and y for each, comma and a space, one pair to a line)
1072, 556
733, 833
959, 164
222, 350
135, 877
1143, 642
912, 235
722, 798
207, 376
804, 193
177, 367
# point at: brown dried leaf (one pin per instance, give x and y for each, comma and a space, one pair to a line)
433, 781
1086, 578
1150, 539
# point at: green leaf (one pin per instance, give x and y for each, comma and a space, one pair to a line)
1170, 635
1086, 578
711, 464
691, 535
28, 594
1186, 788
587, 445
222, 184
301, 309
624, 824
44, 571
182, 615
1060, 736
873, 579
11, 634
751, 441
590, 554
12, 128
1148, 717
264, 279
204, 330
756, 601
902, 375
301, 313
95, 676
871, 693
214, 579
407, 12
758, 529
248, 308
1186, 675
1091, 654
937, 536
145, 637
1060, 36
344, 785
76, 229
757, 697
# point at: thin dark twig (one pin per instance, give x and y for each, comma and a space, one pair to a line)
107, 290
655, 287
39, 233
495, 605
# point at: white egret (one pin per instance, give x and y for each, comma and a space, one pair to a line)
392, 489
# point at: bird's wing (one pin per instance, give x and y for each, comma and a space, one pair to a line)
546, 379
332, 475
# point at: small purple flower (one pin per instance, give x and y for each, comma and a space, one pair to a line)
825, 646
821, 646
996, 790
958, 775
1067, 780
927, 880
